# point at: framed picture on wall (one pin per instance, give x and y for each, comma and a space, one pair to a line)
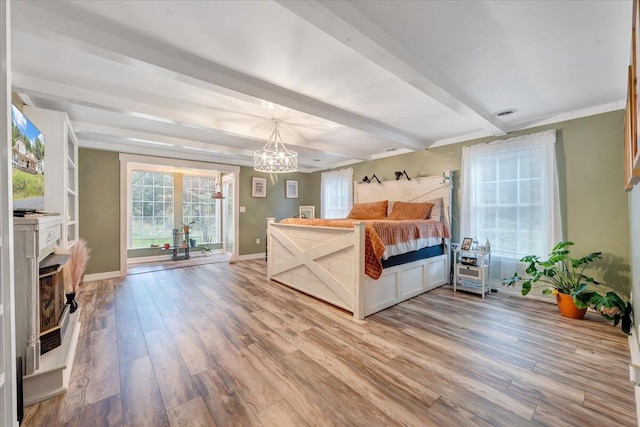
307, 212
258, 187
291, 189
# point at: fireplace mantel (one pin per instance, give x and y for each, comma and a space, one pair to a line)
45, 375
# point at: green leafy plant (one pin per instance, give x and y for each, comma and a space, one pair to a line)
562, 274
207, 248
187, 227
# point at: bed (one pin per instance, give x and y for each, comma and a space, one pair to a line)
329, 262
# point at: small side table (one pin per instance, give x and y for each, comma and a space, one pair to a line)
473, 278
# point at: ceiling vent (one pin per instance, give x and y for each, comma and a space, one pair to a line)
505, 112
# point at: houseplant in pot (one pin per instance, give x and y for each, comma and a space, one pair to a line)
564, 276
207, 249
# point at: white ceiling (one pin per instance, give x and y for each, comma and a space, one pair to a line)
350, 80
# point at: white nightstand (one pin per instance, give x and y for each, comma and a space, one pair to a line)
473, 278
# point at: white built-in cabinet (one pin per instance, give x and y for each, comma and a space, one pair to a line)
60, 168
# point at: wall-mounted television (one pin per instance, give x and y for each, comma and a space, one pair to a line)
27, 159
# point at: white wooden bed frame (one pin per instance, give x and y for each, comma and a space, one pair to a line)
328, 262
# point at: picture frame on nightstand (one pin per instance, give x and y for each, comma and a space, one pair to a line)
466, 243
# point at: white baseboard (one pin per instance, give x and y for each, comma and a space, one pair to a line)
102, 276
251, 256
143, 259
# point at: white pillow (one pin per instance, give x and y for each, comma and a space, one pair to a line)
436, 210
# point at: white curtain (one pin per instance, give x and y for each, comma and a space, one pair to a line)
510, 196
336, 193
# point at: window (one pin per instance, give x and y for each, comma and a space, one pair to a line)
336, 193
510, 194
162, 201
151, 208
200, 207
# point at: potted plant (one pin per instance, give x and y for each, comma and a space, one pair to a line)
187, 227
206, 249
564, 277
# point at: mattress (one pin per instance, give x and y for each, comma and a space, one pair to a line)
411, 256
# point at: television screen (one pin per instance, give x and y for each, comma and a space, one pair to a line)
27, 159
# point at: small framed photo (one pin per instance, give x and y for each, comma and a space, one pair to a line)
307, 211
291, 189
466, 243
258, 187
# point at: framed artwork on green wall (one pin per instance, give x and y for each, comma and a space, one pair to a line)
291, 189
258, 187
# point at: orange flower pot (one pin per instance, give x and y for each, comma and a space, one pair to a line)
568, 308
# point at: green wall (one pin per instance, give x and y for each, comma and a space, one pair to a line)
253, 223
594, 206
99, 186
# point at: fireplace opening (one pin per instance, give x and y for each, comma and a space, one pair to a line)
53, 310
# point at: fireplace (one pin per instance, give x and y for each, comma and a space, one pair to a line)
46, 333
54, 312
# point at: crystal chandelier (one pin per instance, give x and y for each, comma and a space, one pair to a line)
275, 157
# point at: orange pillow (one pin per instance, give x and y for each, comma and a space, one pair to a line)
403, 210
374, 210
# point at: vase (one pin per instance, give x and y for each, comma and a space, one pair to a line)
71, 300
568, 308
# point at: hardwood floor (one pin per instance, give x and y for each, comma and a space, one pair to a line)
218, 345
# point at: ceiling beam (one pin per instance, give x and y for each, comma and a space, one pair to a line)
97, 142
119, 104
140, 136
342, 21
94, 34
90, 141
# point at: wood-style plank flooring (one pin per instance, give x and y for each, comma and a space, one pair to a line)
218, 345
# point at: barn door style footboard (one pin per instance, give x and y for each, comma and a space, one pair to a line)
325, 262
328, 263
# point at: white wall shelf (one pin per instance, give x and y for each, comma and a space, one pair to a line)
61, 172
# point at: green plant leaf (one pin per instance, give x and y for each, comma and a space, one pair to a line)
561, 245
579, 290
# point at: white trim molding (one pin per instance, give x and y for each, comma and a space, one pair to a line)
252, 256
128, 162
102, 276
8, 395
634, 367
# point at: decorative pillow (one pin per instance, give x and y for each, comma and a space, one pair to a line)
403, 210
374, 210
436, 210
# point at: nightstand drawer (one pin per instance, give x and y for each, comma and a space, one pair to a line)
469, 271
